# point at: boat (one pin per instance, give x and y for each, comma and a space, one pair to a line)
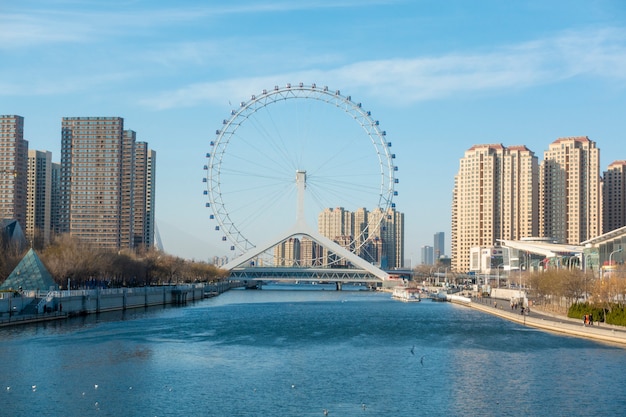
407, 295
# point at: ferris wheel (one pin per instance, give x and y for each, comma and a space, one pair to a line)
260, 147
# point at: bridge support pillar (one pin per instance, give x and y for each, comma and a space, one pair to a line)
338, 285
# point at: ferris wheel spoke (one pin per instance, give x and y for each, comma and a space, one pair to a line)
264, 157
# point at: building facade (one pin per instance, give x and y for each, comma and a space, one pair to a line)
55, 197
91, 180
376, 236
13, 169
143, 196
614, 197
494, 197
439, 242
570, 187
106, 184
427, 255
39, 198
127, 189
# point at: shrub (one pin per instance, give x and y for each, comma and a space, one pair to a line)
615, 314
578, 310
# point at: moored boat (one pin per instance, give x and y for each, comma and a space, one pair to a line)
409, 295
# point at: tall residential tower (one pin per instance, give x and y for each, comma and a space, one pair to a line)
438, 246
614, 197
494, 197
39, 190
570, 186
13, 169
92, 175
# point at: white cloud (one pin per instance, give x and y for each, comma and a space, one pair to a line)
594, 54
84, 22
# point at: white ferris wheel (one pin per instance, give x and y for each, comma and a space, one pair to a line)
258, 151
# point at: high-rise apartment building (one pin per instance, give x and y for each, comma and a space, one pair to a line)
570, 187
91, 180
39, 198
55, 197
149, 231
310, 252
427, 255
287, 253
143, 195
438, 246
391, 233
13, 169
127, 221
107, 183
614, 197
494, 197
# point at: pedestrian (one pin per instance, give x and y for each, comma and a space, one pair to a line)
60, 307
591, 319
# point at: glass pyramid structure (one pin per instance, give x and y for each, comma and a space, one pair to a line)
30, 274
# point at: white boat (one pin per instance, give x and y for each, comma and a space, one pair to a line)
408, 295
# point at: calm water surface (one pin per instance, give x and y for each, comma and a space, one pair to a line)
296, 353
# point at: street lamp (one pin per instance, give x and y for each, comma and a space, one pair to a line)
498, 273
520, 283
438, 275
611, 256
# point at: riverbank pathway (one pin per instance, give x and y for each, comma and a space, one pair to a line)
548, 321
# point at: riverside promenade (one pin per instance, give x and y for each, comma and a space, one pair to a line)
544, 321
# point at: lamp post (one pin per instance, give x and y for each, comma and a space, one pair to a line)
498, 274
611, 257
520, 273
438, 275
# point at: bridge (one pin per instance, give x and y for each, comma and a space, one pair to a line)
251, 276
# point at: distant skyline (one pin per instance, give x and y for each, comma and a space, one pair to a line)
440, 76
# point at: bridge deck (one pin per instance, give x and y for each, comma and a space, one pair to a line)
303, 274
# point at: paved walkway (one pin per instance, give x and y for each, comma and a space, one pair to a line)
547, 321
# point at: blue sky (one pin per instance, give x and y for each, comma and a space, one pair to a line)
440, 77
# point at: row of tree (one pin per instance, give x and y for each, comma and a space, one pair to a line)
67, 258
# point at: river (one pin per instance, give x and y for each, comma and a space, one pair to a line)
288, 352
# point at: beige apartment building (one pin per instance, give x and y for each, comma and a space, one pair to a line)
614, 197
13, 169
495, 197
570, 188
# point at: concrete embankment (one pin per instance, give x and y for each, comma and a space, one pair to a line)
29, 307
556, 324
